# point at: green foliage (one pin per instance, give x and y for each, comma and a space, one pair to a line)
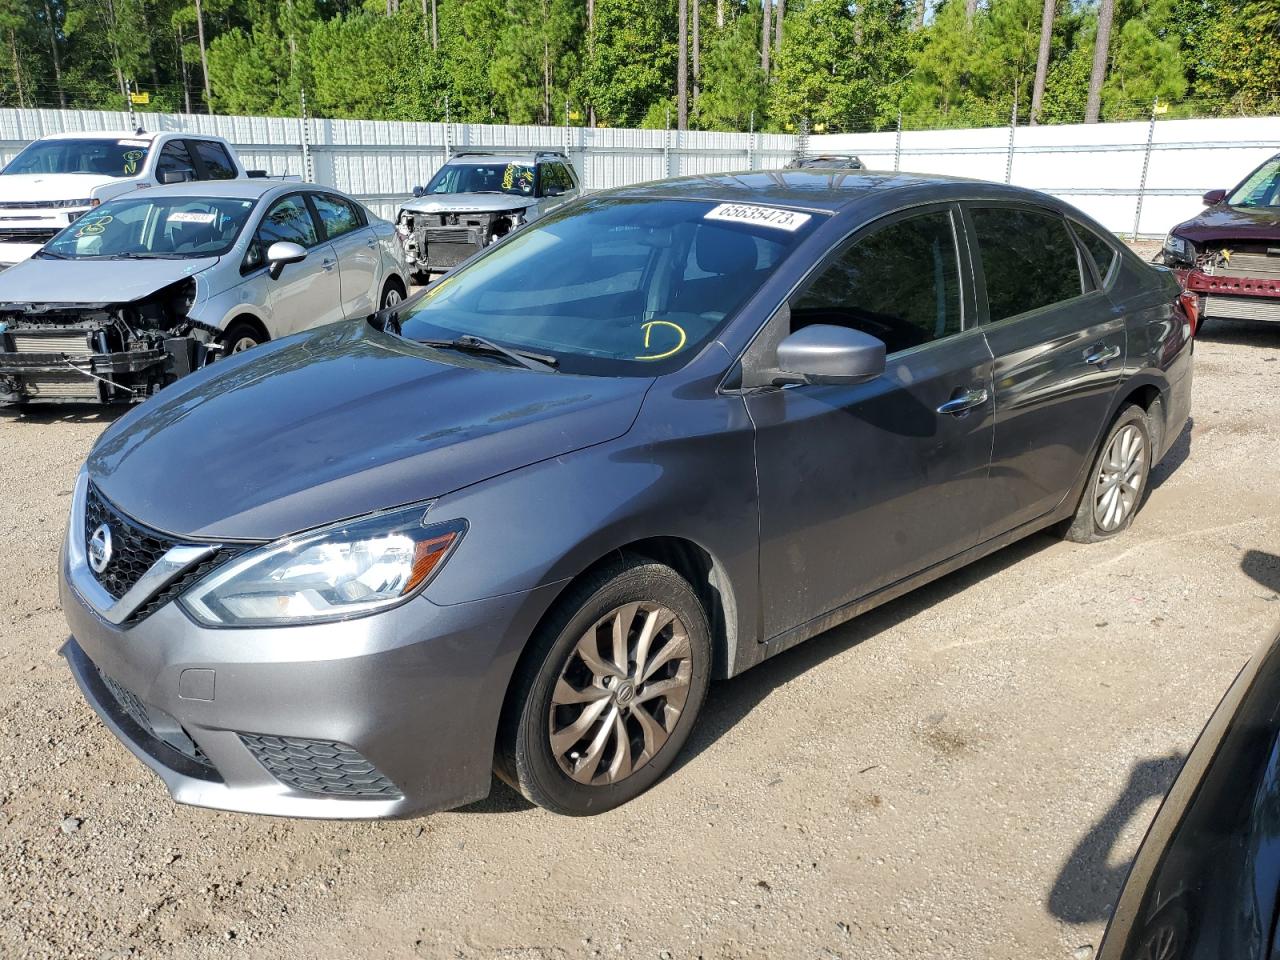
843, 64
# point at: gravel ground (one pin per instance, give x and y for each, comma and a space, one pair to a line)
964, 772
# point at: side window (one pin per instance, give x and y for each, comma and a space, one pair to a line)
214, 156
901, 284
566, 178
288, 219
174, 157
1028, 259
337, 216
1103, 254
555, 175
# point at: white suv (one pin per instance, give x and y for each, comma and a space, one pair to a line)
55, 180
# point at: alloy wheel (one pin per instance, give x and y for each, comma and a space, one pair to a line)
620, 694
1119, 481
391, 298
242, 344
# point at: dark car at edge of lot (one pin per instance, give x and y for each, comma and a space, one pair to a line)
1205, 884
1228, 256
659, 436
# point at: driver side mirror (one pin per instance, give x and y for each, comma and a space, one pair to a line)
282, 253
827, 354
1214, 197
175, 176
552, 191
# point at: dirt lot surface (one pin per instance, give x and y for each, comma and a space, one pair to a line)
963, 773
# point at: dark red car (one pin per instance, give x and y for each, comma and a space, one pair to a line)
1228, 258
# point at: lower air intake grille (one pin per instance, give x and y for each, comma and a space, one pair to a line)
174, 736
319, 766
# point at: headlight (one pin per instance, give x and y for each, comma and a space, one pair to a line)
346, 570
1177, 246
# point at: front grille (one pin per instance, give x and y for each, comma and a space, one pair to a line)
72, 344
1242, 308
39, 235
179, 585
134, 548
320, 766
172, 736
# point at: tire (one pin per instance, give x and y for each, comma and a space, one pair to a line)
560, 739
241, 336
1095, 519
392, 295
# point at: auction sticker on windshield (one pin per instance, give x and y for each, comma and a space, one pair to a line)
190, 216
787, 220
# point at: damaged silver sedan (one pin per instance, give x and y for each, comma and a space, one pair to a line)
476, 199
148, 287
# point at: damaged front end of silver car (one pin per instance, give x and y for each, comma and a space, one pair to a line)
438, 236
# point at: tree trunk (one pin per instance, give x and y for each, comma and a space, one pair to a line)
920, 12
57, 60
719, 14
766, 12
591, 54
204, 56
777, 32
1042, 61
697, 53
182, 63
435, 27
17, 68
682, 69
970, 11
1106, 13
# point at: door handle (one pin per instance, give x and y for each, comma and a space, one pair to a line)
958, 406
371, 244
1100, 356
327, 264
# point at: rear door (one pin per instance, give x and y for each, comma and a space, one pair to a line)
1059, 347
305, 294
864, 485
345, 228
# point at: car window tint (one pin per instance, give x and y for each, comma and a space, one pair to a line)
174, 156
1028, 258
900, 284
217, 163
337, 215
1102, 253
288, 219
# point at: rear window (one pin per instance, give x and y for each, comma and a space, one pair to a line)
1102, 253
1028, 259
217, 162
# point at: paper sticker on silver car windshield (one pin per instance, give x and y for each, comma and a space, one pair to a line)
787, 220
190, 216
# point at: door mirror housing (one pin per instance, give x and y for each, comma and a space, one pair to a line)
175, 176
828, 354
282, 253
1214, 197
552, 191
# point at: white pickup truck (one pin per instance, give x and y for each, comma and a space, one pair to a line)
57, 179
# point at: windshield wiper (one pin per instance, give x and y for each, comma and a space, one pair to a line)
469, 343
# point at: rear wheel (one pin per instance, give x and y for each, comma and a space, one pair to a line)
242, 336
1117, 482
609, 691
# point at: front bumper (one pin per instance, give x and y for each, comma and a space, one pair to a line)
410, 695
1230, 297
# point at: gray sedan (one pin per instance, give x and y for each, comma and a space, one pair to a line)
655, 438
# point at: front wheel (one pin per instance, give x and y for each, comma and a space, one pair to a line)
392, 296
608, 692
241, 336
1118, 480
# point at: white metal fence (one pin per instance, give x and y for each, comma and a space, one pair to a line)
1148, 175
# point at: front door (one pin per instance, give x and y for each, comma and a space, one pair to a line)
1059, 348
861, 486
308, 293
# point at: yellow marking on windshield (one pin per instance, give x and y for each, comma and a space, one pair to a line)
94, 227
648, 326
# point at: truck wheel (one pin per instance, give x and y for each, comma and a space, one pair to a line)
608, 691
242, 336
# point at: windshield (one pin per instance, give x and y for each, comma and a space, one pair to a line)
162, 227
1261, 189
104, 158
614, 286
493, 177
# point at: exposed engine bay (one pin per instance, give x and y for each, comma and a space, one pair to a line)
101, 352
435, 242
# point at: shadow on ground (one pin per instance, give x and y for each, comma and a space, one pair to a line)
1248, 333
1175, 457
44, 414
1263, 568
1089, 882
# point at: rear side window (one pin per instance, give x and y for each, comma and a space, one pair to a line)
336, 214
174, 157
1028, 258
1102, 253
900, 284
216, 160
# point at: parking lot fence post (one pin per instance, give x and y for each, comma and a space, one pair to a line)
897, 145
751, 141
666, 143
304, 136
1013, 126
1146, 164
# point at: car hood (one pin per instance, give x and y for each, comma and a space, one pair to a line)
1221, 222
339, 422
468, 203
84, 282
29, 187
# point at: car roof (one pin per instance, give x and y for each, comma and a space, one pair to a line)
827, 191
127, 135
246, 188
506, 156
